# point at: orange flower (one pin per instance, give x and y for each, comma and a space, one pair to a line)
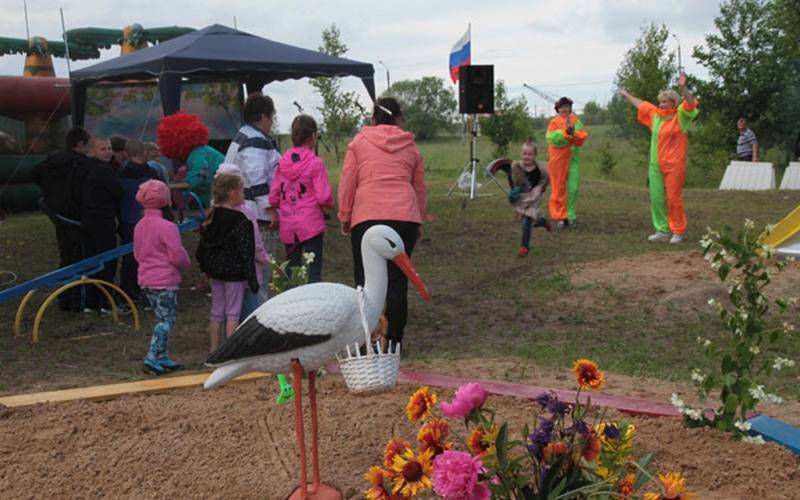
626, 486
412, 473
377, 491
420, 404
554, 450
431, 436
393, 447
591, 449
673, 485
588, 374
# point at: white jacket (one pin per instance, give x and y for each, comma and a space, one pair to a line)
257, 155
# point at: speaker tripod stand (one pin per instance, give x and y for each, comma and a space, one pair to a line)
473, 165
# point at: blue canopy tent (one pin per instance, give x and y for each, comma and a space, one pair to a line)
215, 52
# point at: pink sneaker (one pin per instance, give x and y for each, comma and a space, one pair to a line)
522, 252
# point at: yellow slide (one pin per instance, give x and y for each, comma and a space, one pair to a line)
785, 229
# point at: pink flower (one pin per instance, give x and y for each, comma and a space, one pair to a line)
468, 397
455, 477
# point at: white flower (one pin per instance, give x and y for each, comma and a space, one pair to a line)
707, 344
677, 402
790, 258
711, 302
769, 228
774, 398
716, 265
788, 327
742, 425
781, 362
792, 300
768, 250
693, 413
697, 376
754, 349
308, 257
748, 224
753, 440
758, 392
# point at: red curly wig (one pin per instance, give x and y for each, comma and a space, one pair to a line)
178, 134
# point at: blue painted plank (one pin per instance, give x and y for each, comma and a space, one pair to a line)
75, 271
772, 429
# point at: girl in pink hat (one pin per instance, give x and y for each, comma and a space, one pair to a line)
158, 249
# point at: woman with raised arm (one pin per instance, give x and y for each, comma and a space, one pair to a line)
669, 123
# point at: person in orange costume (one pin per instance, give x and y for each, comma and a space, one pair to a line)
669, 123
565, 134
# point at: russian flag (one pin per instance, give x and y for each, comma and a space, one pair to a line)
460, 55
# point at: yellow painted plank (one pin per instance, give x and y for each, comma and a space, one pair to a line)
102, 392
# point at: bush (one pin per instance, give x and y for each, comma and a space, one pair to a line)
606, 159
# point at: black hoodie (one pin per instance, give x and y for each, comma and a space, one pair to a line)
55, 177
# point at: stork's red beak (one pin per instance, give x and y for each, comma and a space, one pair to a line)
403, 261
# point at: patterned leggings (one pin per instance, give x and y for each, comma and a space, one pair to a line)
164, 303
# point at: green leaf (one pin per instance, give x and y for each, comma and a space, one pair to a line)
730, 403
502, 448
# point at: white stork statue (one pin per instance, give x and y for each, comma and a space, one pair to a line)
305, 327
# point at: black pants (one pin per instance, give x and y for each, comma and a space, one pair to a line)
746, 158
397, 292
70, 251
295, 251
98, 236
129, 270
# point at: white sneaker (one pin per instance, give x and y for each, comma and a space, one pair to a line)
676, 238
659, 236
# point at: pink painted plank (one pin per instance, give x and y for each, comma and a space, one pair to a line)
631, 406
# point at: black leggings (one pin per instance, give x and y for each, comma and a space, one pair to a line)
397, 292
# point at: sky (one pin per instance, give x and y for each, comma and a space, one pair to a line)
562, 47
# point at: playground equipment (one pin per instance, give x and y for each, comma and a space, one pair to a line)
78, 274
785, 237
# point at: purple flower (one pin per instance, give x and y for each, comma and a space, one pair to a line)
540, 437
611, 431
544, 399
557, 407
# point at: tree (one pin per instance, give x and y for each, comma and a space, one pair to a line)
429, 107
341, 112
593, 114
510, 121
753, 59
646, 70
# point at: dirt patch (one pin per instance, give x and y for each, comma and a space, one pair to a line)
236, 443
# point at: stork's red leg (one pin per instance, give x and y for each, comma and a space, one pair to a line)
312, 398
297, 382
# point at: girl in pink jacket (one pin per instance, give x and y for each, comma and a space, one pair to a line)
158, 249
383, 182
299, 193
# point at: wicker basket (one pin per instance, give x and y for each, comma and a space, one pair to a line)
375, 371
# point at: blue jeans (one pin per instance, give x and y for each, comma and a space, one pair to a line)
164, 304
527, 226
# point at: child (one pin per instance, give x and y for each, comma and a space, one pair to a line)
135, 173
251, 300
300, 192
226, 253
158, 250
530, 181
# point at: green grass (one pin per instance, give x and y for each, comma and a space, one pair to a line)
486, 302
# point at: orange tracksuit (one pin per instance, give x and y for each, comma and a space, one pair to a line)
560, 153
667, 171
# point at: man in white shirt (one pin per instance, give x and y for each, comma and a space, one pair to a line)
256, 154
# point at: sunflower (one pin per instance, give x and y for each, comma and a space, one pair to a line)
377, 491
591, 448
393, 447
482, 443
431, 436
411, 472
554, 450
588, 374
673, 485
420, 404
626, 486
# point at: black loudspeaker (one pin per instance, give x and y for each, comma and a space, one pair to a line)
476, 89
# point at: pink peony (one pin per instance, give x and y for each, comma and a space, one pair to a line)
455, 477
468, 397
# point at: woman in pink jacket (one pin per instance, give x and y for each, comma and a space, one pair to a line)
299, 193
158, 249
383, 182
